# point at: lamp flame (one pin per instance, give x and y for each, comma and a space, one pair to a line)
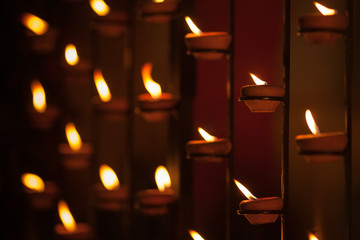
101, 86
34, 23
71, 55
206, 136
151, 86
312, 237
100, 7
257, 80
195, 235
311, 122
108, 177
33, 182
192, 26
66, 218
162, 178
39, 98
244, 190
73, 137
158, 1
324, 10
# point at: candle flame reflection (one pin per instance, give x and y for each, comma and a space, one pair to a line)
192, 26
311, 122
257, 80
206, 136
109, 178
244, 190
100, 7
33, 182
71, 55
73, 137
34, 23
151, 86
162, 178
66, 218
101, 86
324, 10
312, 237
195, 235
39, 98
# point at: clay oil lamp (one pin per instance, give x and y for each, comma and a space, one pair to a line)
76, 69
42, 37
155, 105
195, 235
206, 45
110, 196
106, 105
158, 11
259, 210
326, 27
262, 97
156, 201
42, 115
312, 237
75, 154
209, 149
42, 195
320, 147
70, 229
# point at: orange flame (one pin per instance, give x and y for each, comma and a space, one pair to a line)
33, 182
195, 235
206, 136
100, 7
257, 80
162, 178
192, 26
73, 137
66, 218
108, 177
71, 55
34, 23
101, 86
244, 190
311, 122
39, 98
151, 86
312, 237
158, 1
324, 10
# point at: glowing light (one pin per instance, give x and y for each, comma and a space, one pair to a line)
109, 178
33, 182
101, 86
73, 137
71, 55
39, 98
35, 24
158, 1
195, 235
312, 237
244, 190
151, 86
100, 7
192, 26
311, 122
324, 10
206, 136
66, 218
162, 178
257, 80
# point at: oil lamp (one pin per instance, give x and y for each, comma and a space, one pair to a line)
76, 69
326, 27
320, 147
158, 11
262, 97
195, 235
206, 45
259, 210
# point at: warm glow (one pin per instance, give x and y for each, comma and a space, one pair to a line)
324, 10
99, 7
162, 178
73, 137
109, 178
312, 237
71, 55
33, 182
152, 87
158, 1
195, 235
244, 190
39, 99
206, 136
311, 122
101, 86
192, 26
35, 24
66, 217
257, 80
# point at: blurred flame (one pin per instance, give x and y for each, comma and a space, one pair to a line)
39, 98
101, 86
73, 137
33, 182
312, 237
100, 7
195, 235
71, 55
324, 10
158, 1
206, 136
34, 23
66, 217
244, 190
109, 178
162, 178
257, 80
192, 26
311, 122
152, 87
